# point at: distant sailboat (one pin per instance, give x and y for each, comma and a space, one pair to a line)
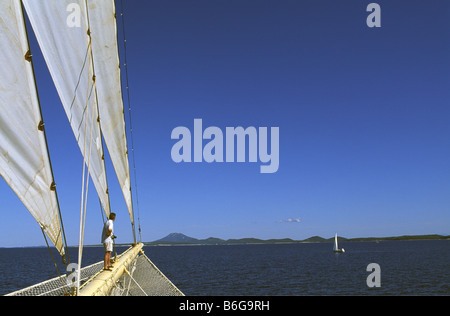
336, 247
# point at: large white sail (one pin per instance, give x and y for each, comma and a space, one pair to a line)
102, 22
24, 160
61, 28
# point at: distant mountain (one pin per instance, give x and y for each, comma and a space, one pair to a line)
178, 238
212, 240
315, 239
405, 237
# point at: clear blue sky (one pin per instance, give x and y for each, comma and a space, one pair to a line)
363, 115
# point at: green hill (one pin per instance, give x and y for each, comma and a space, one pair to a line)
181, 239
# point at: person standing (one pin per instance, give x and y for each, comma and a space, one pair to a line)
107, 240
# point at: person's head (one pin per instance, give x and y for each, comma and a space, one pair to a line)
112, 216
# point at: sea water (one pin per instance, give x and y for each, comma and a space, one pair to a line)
406, 268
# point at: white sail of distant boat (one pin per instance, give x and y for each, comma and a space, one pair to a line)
84, 65
336, 246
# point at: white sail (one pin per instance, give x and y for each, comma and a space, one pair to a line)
24, 160
335, 242
61, 28
102, 22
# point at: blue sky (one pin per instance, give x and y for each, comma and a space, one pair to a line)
363, 115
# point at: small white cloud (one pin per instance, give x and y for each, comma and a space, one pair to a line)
290, 220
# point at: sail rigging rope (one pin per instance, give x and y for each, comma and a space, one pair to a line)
85, 175
54, 262
136, 282
129, 116
84, 193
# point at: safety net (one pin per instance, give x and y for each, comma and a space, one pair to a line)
140, 278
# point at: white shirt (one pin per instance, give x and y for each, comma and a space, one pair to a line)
108, 225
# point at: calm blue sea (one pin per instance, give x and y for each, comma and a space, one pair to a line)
406, 268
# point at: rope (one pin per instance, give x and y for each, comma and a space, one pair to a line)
101, 211
54, 262
84, 199
129, 116
85, 176
132, 271
131, 277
